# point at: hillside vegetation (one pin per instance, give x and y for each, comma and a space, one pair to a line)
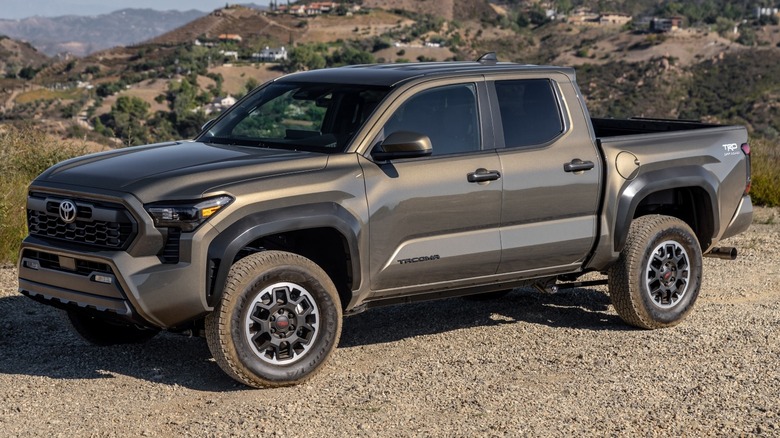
24, 153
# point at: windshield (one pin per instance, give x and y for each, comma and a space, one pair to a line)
298, 116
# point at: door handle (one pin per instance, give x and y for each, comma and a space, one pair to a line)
577, 165
483, 175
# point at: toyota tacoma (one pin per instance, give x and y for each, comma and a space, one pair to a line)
328, 192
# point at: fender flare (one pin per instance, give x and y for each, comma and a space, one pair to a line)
659, 180
224, 248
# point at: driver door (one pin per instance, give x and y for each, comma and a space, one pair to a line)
432, 222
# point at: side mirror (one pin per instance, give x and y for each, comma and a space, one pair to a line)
403, 144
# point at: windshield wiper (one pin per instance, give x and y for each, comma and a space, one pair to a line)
237, 142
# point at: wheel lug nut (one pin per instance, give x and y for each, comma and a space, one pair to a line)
273, 330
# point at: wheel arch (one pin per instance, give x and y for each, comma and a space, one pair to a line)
330, 223
687, 193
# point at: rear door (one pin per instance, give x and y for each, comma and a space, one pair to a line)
428, 222
550, 172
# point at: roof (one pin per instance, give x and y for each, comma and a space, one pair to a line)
390, 75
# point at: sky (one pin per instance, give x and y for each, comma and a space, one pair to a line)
14, 9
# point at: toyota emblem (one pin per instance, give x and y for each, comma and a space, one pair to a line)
68, 211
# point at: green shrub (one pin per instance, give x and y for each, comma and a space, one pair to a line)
765, 156
24, 153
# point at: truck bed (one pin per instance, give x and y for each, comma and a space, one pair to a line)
635, 125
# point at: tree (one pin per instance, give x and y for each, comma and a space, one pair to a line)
305, 57
348, 55
27, 72
564, 6
127, 120
747, 36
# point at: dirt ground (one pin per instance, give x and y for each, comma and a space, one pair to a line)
530, 364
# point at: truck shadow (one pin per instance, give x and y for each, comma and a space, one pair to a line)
575, 308
36, 340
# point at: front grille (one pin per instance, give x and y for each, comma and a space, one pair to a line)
52, 261
97, 224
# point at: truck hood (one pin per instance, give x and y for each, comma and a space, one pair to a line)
176, 170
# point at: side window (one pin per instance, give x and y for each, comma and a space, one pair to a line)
529, 112
447, 115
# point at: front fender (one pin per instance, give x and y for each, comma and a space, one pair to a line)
224, 249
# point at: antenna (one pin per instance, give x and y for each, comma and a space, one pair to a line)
488, 58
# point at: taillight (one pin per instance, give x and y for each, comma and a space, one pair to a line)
746, 151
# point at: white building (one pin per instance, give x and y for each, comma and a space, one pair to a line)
219, 104
271, 54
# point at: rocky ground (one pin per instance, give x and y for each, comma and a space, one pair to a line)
528, 365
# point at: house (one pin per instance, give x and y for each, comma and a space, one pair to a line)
229, 54
230, 37
271, 54
302, 10
586, 17
616, 19
299, 10
582, 16
225, 102
219, 104
661, 25
766, 12
317, 8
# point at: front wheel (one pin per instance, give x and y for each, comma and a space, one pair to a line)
278, 322
656, 279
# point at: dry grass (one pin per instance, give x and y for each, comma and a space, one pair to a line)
24, 153
147, 91
765, 156
44, 94
236, 76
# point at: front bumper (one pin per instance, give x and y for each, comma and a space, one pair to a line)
141, 289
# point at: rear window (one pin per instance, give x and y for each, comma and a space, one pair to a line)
529, 112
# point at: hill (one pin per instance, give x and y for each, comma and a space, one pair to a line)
16, 55
19, 62
80, 35
623, 71
250, 23
447, 9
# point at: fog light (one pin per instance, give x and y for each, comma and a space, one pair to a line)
105, 279
32, 264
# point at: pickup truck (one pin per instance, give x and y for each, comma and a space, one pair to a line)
328, 192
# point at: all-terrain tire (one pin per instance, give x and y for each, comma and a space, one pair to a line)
656, 279
104, 332
278, 321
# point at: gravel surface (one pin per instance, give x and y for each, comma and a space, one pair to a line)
527, 365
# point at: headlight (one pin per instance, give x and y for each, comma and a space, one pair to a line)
186, 215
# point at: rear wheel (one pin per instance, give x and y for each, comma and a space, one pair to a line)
656, 279
278, 322
103, 331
